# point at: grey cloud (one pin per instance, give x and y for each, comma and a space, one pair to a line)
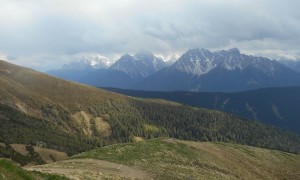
43, 34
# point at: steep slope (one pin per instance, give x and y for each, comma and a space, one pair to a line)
294, 65
74, 117
175, 159
224, 71
142, 64
276, 106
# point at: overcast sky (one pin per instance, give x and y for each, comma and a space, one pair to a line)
44, 34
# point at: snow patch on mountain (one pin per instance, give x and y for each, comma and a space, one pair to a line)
97, 61
89, 62
197, 61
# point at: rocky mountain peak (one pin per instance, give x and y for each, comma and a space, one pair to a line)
89, 62
143, 63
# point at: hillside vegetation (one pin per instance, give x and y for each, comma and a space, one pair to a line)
276, 106
176, 159
71, 117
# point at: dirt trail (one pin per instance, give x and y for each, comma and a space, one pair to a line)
91, 169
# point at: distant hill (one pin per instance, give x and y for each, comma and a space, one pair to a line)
175, 159
219, 71
276, 106
72, 117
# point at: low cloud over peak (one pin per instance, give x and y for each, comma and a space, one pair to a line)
46, 34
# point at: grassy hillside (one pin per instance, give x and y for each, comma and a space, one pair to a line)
176, 159
277, 106
72, 117
8, 171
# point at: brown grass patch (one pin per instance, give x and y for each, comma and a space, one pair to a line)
102, 126
49, 155
137, 139
20, 148
87, 121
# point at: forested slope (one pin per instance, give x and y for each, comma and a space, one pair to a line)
277, 106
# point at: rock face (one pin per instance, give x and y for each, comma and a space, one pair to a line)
89, 63
142, 64
226, 71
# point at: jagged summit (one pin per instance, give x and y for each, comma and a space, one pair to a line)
194, 62
225, 71
89, 62
198, 69
143, 63
201, 61
125, 63
97, 60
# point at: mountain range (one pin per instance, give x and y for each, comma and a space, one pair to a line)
221, 71
124, 73
196, 70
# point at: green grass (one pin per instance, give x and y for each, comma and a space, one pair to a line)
175, 159
8, 171
147, 154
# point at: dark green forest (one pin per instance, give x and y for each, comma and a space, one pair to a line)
277, 106
186, 123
